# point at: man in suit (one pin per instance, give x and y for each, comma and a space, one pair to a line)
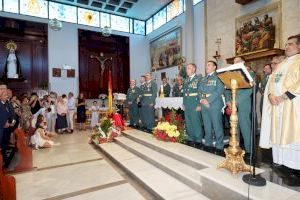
267, 71
244, 99
131, 101
191, 102
210, 95
148, 102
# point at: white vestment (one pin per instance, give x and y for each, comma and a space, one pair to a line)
288, 155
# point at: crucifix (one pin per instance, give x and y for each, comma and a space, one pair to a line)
102, 59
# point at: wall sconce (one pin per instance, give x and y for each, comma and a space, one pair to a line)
218, 53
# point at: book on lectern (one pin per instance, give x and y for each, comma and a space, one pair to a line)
238, 72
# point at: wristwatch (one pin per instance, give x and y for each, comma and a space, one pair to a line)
284, 96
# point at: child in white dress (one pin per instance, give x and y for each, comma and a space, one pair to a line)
95, 114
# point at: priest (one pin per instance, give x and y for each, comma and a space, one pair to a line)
281, 119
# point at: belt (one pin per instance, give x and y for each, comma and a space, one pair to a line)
191, 94
148, 95
205, 95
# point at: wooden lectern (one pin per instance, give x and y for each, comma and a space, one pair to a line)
234, 77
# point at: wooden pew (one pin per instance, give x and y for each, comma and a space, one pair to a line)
7, 184
26, 163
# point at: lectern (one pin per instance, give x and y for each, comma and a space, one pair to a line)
235, 77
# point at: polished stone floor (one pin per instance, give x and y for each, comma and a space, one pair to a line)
75, 170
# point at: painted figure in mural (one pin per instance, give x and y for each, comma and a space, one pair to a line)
255, 35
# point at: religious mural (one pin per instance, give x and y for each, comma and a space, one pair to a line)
258, 31
166, 50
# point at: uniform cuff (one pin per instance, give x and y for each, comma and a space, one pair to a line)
289, 95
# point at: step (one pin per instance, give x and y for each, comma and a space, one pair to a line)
156, 181
233, 187
173, 167
196, 158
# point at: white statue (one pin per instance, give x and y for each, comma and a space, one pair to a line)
12, 64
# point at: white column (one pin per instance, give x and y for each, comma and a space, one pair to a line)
189, 31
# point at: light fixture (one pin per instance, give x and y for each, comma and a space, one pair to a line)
55, 24
106, 31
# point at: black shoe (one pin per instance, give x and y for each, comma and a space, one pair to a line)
190, 143
199, 145
220, 152
209, 149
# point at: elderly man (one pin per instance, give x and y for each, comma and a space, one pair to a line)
262, 86
148, 101
281, 121
131, 101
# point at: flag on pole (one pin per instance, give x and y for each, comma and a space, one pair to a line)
110, 97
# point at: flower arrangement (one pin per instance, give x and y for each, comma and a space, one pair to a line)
108, 128
170, 129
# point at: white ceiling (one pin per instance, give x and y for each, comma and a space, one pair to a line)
138, 9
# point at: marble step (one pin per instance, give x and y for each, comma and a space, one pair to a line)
193, 157
156, 181
173, 167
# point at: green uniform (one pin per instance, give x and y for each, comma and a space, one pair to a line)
167, 90
193, 119
211, 89
244, 107
142, 89
177, 91
149, 96
131, 101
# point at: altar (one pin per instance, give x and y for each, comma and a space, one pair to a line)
169, 102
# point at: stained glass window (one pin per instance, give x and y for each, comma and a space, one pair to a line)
11, 6
130, 25
37, 8
149, 25
0, 4
119, 23
88, 17
174, 9
196, 1
139, 27
105, 20
160, 18
62, 12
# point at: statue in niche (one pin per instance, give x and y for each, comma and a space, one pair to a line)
12, 68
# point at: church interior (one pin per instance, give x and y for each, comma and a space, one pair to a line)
149, 99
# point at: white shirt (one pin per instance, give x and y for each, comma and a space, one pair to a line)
191, 77
71, 103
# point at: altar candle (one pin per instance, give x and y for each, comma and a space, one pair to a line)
162, 89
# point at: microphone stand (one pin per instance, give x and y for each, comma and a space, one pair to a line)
253, 178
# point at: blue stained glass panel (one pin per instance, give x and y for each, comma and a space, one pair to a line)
160, 18
62, 12
119, 23
139, 27
88, 17
37, 8
105, 20
174, 9
149, 26
196, 1
130, 25
11, 6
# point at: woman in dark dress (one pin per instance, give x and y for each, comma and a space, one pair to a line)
81, 115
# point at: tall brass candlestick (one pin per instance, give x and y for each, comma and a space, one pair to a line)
234, 160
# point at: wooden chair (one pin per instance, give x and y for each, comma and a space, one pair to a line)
7, 184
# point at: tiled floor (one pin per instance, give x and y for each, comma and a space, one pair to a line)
73, 170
